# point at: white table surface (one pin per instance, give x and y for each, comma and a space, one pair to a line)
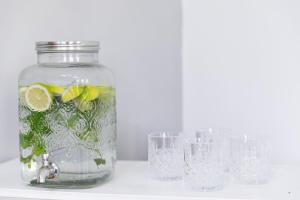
131, 182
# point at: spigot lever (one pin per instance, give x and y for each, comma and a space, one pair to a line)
48, 170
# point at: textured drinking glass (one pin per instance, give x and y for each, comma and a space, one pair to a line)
165, 156
251, 160
220, 134
204, 164
206, 134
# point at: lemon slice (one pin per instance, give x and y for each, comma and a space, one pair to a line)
90, 93
38, 98
22, 91
72, 93
54, 89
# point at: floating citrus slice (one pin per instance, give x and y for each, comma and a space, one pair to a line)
106, 91
90, 93
54, 89
22, 91
38, 98
83, 105
71, 93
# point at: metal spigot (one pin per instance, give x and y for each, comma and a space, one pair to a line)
48, 170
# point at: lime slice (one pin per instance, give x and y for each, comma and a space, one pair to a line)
90, 93
54, 89
106, 91
72, 93
83, 105
38, 98
22, 91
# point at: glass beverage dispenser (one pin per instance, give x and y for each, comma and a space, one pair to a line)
67, 116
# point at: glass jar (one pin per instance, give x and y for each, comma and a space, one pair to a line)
67, 116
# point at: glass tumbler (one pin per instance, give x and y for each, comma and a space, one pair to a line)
165, 156
220, 134
206, 134
204, 165
251, 160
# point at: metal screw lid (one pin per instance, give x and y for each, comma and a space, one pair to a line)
66, 46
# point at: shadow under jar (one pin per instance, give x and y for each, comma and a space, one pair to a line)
67, 117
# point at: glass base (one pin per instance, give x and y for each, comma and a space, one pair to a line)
252, 181
206, 188
175, 178
75, 180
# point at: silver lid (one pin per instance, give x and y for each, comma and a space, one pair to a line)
65, 46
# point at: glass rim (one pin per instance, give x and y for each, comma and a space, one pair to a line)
206, 129
165, 134
247, 138
195, 141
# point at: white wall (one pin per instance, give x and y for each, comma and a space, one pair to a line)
140, 41
241, 69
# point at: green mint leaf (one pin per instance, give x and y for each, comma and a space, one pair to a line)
26, 160
38, 149
26, 140
99, 161
38, 123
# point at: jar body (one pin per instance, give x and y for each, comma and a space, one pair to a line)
67, 111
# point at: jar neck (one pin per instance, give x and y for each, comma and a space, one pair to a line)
68, 57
